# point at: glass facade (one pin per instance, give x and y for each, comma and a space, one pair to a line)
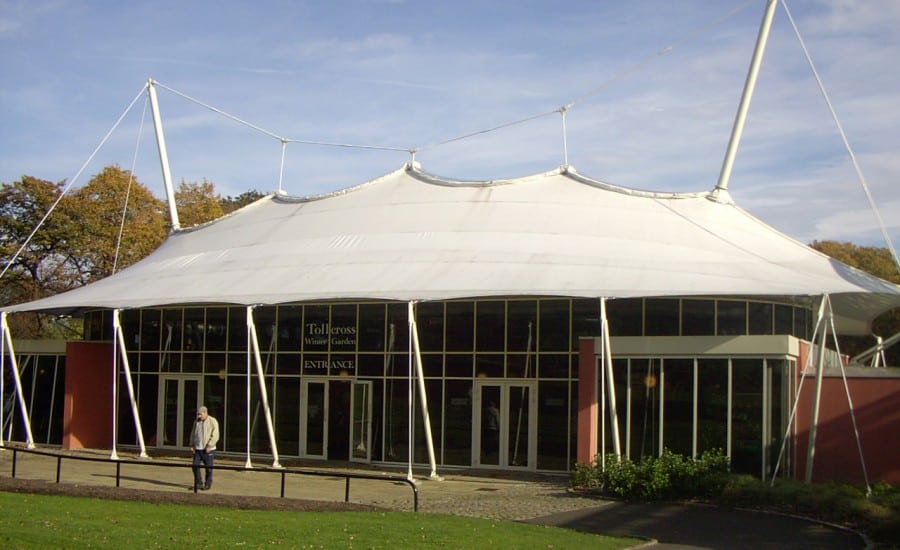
43, 378
338, 381
693, 405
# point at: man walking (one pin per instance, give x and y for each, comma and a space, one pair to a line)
204, 437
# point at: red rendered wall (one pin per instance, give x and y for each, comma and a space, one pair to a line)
87, 420
587, 402
877, 417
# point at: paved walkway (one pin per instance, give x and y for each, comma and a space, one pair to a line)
535, 499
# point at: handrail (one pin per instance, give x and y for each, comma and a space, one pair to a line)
283, 471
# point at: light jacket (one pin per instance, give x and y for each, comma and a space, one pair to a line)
210, 434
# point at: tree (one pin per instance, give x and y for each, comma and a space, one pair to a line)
76, 244
879, 262
39, 268
97, 211
230, 204
197, 203
874, 260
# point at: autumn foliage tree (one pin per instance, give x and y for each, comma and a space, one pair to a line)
879, 262
41, 268
117, 221
89, 233
197, 203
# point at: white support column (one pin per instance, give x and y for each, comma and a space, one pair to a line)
741, 116
163, 156
263, 393
3, 362
610, 386
409, 399
120, 341
817, 396
113, 454
8, 344
862, 458
420, 376
248, 463
791, 425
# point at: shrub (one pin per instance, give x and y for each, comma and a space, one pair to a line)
654, 478
675, 477
585, 476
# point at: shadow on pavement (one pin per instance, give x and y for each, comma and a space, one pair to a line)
699, 526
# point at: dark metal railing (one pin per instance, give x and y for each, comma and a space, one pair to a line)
283, 472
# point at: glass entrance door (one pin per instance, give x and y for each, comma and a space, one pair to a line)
179, 397
505, 425
361, 425
313, 418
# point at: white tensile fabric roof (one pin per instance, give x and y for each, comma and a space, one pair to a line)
412, 236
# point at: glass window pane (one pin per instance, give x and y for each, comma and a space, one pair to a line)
371, 365
131, 326
802, 328
151, 329
290, 328
315, 364
712, 404
585, 319
342, 330
372, 334
315, 418
518, 412
216, 328
678, 415
698, 317
489, 365
621, 383
172, 328
315, 328
236, 415
490, 325
458, 423
644, 408
552, 438
192, 362
661, 317
430, 323
784, 319
490, 425
237, 328
554, 325
194, 328
264, 320
460, 326
521, 365
731, 317
521, 326
433, 365
459, 365
287, 363
760, 318
625, 316
747, 410
553, 365
398, 320
435, 407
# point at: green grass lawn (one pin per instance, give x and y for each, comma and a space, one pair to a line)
44, 521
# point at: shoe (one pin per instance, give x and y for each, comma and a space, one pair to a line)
207, 487
203, 487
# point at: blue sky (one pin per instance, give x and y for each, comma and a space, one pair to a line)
403, 74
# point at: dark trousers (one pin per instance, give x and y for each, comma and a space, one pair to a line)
200, 455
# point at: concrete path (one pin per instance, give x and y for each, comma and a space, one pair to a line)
537, 499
